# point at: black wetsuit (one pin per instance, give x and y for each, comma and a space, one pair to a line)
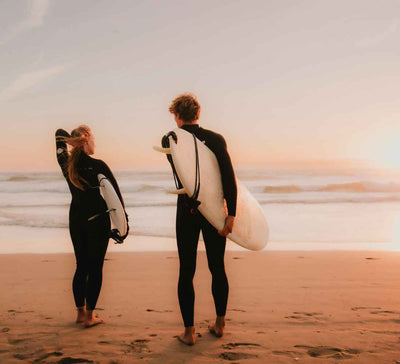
188, 228
89, 238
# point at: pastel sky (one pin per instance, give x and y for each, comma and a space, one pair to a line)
284, 81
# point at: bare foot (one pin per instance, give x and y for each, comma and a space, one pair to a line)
188, 337
92, 320
218, 328
81, 316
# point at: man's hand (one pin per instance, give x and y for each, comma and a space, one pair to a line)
228, 227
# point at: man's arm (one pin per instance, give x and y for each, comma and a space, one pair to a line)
228, 184
227, 176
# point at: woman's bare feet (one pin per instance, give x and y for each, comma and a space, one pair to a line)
218, 328
92, 320
188, 337
81, 316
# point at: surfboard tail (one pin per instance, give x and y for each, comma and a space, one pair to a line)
162, 150
181, 191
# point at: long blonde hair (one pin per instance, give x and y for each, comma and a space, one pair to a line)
79, 137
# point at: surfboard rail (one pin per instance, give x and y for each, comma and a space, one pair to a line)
114, 205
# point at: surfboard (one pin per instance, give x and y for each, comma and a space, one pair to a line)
250, 228
114, 205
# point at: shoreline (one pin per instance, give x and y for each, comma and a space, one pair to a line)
28, 240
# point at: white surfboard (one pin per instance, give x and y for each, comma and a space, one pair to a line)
250, 228
114, 205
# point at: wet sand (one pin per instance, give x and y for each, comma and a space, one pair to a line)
284, 307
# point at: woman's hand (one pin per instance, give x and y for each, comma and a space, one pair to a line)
228, 227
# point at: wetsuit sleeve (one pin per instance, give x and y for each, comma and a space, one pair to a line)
61, 151
107, 172
227, 175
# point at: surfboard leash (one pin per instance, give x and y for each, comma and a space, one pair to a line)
99, 214
193, 200
165, 144
197, 178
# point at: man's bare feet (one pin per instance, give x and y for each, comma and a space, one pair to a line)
188, 337
92, 319
81, 315
218, 328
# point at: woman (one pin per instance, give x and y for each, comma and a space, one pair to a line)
89, 237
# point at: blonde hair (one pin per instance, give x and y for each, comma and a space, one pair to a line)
79, 137
186, 107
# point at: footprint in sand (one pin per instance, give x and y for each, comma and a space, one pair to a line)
48, 355
16, 311
21, 356
231, 356
306, 317
291, 354
384, 312
329, 352
231, 346
69, 360
17, 341
309, 314
138, 346
364, 308
386, 332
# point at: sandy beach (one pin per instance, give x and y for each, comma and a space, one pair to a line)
284, 307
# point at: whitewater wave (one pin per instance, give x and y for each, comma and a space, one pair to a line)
324, 201
8, 177
357, 187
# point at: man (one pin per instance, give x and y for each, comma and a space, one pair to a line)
189, 222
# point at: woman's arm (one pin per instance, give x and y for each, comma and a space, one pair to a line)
61, 150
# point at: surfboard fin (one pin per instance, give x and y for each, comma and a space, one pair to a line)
176, 192
162, 150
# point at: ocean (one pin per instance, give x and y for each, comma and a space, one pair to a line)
305, 209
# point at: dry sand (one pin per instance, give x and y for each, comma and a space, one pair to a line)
284, 307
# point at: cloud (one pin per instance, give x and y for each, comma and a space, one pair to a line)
379, 37
36, 14
29, 80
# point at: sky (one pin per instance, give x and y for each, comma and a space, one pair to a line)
285, 82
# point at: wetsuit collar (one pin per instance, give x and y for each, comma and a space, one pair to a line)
84, 155
190, 127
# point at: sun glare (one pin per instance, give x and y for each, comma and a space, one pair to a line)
389, 156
